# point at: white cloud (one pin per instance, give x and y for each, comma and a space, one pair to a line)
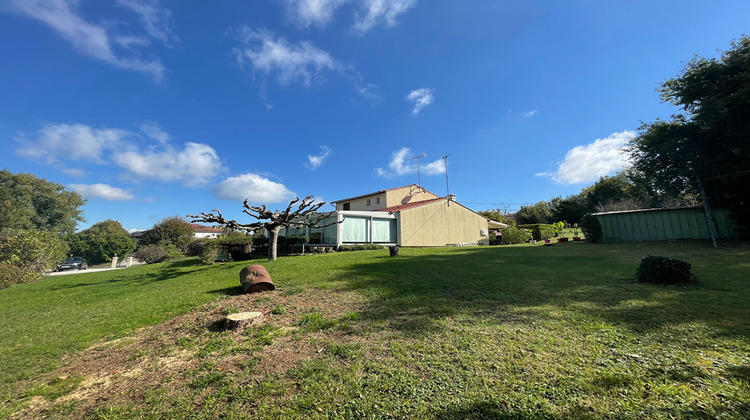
398, 165
194, 166
380, 11
156, 19
314, 162
421, 98
76, 173
266, 54
154, 131
87, 38
254, 188
589, 162
71, 142
530, 113
305, 13
102, 191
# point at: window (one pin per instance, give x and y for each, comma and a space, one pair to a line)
368, 201
347, 206
377, 200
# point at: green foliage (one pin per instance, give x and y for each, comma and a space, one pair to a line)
195, 248
710, 140
151, 254
537, 213
664, 270
209, 253
32, 251
514, 235
591, 228
101, 242
559, 228
238, 245
173, 231
28, 202
498, 216
360, 247
9, 275
540, 231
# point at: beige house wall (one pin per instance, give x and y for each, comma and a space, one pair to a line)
439, 224
405, 195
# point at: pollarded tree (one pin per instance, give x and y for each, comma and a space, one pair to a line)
306, 214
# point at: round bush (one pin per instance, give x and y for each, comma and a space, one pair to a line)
591, 228
9, 275
664, 270
151, 254
512, 235
209, 254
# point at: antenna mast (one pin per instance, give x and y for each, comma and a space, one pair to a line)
447, 186
419, 180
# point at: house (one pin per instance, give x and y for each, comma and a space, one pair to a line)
205, 232
404, 216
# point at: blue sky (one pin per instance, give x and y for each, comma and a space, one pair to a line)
157, 108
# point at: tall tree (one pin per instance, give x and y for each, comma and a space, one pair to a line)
29, 202
711, 140
101, 242
305, 215
173, 230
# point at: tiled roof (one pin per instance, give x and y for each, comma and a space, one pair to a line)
400, 207
376, 192
204, 229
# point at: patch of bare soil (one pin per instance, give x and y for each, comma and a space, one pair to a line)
166, 358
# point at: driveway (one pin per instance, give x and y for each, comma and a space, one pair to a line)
89, 270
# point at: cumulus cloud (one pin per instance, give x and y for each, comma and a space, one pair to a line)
421, 98
314, 162
157, 20
302, 62
88, 38
374, 12
588, 162
253, 187
58, 142
103, 191
193, 164
402, 163
305, 13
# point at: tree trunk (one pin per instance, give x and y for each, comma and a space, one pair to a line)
273, 239
243, 319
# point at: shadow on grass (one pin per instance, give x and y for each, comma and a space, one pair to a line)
415, 291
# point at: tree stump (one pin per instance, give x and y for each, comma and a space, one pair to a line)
243, 319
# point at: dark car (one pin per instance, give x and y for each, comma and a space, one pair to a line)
72, 263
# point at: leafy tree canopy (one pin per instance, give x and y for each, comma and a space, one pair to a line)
101, 242
28, 202
170, 231
711, 140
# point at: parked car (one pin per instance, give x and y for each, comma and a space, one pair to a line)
72, 263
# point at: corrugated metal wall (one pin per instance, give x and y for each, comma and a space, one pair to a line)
663, 224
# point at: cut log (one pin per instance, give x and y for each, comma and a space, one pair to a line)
243, 319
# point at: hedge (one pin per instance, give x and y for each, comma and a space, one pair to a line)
540, 231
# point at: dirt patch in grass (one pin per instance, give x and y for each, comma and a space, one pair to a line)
172, 356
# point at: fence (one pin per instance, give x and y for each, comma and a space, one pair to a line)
663, 224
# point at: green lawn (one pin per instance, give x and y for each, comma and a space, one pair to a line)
492, 332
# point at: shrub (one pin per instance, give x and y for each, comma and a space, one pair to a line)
209, 253
195, 249
170, 230
9, 275
664, 270
238, 246
513, 235
591, 228
540, 231
101, 242
151, 254
360, 247
32, 251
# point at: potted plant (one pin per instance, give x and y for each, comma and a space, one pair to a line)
559, 230
576, 238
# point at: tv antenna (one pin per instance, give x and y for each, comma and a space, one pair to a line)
419, 180
447, 186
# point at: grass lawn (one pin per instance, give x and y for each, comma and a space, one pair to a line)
490, 332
